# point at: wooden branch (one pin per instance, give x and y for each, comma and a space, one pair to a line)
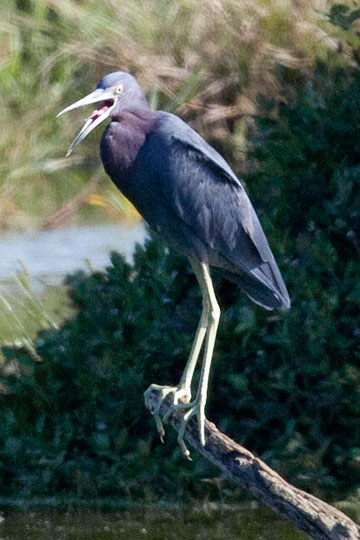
313, 516
61, 216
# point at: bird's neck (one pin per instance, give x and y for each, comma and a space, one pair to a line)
123, 139
137, 119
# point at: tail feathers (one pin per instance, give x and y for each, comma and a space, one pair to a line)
269, 274
260, 289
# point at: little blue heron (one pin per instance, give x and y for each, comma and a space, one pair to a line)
188, 193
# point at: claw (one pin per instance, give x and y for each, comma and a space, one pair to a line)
163, 391
160, 427
184, 450
195, 408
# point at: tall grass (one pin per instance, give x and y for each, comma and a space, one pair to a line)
23, 312
206, 60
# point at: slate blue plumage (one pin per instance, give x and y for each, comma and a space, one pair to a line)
188, 193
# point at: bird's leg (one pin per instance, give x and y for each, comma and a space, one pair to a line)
207, 329
183, 390
184, 386
197, 407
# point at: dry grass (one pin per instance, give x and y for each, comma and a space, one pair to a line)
206, 60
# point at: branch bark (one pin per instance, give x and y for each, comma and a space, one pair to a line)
310, 514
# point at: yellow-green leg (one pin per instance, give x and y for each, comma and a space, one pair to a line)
207, 329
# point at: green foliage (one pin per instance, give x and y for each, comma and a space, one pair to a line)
341, 15
305, 178
23, 312
75, 420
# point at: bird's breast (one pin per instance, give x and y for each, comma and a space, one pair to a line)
119, 149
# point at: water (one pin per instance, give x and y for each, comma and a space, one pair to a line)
49, 255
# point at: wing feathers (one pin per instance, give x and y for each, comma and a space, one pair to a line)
207, 196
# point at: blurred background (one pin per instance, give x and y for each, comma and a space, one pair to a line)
275, 87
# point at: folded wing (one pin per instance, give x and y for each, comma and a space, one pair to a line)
205, 195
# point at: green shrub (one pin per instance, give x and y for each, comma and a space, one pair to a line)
305, 176
75, 420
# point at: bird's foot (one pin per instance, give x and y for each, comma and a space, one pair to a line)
195, 408
163, 392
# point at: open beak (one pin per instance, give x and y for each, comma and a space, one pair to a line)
96, 117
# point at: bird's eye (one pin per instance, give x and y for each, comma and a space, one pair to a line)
119, 89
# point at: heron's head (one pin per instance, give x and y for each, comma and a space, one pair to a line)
115, 92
